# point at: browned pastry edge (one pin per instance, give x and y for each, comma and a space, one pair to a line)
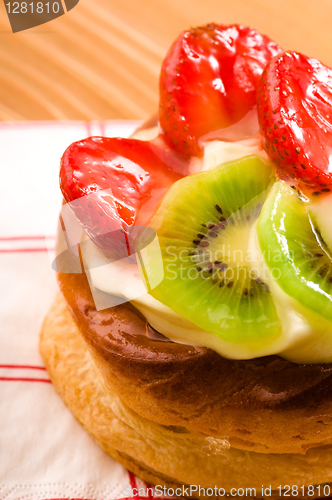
267, 404
155, 478
75, 377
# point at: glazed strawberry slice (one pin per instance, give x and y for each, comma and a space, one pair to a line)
295, 118
114, 184
208, 82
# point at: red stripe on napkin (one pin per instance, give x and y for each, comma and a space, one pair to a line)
17, 238
20, 250
24, 367
13, 379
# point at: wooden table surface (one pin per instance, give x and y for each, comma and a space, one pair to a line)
101, 60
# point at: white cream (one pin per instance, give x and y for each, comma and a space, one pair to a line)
321, 210
305, 337
219, 152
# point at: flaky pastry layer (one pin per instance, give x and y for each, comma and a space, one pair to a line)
160, 454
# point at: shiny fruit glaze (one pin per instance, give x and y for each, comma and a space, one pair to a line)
208, 81
117, 183
295, 117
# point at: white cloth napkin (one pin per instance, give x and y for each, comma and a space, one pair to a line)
44, 452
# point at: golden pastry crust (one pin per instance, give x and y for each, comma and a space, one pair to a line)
159, 454
267, 404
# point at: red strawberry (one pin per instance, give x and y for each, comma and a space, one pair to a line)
208, 81
295, 118
112, 184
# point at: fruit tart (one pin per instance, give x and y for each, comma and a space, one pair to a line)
193, 334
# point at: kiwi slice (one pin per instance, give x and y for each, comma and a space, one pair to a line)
295, 251
203, 226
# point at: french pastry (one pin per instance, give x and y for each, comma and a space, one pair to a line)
192, 335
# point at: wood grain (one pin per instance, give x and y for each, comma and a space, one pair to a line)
101, 60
